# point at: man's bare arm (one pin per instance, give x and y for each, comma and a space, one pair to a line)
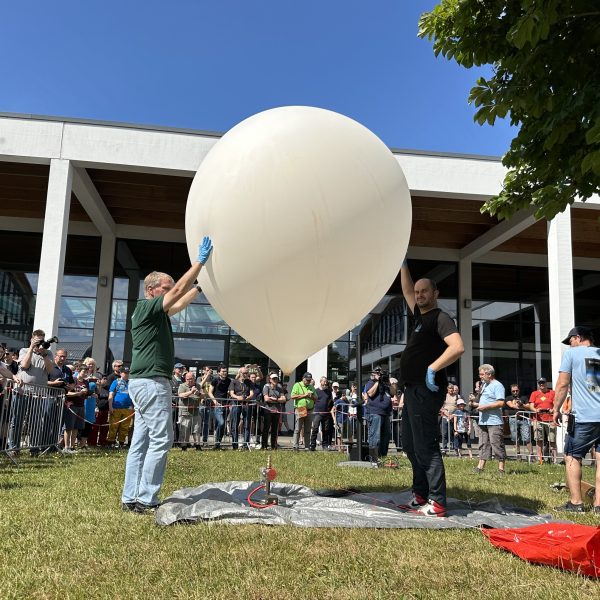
408, 287
182, 287
455, 349
183, 302
560, 394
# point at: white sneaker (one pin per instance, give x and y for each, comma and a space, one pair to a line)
416, 503
433, 509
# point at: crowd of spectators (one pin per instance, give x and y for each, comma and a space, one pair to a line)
251, 409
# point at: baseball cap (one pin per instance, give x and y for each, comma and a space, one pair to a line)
460, 401
541, 380
307, 375
335, 384
273, 376
578, 330
178, 366
126, 369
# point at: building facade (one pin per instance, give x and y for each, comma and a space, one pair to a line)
87, 209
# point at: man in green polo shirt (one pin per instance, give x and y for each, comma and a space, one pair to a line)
150, 381
304, 396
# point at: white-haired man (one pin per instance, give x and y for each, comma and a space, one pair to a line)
150, 381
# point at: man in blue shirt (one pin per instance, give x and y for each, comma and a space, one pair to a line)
580, 369
120, 409
491, 427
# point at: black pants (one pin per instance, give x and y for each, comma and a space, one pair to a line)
421, 439
270, 423
326, 423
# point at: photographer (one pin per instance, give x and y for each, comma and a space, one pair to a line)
379, 403
35, 364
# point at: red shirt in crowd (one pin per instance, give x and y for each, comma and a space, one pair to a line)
543, 401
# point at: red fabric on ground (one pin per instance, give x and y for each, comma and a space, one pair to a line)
566, 546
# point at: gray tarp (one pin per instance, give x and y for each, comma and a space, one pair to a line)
226, 502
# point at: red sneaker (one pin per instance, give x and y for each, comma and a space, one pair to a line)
433, 509
415, 504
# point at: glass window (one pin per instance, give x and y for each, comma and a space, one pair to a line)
77, 312
199, 349
120, 288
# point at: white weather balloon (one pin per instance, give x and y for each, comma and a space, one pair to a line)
310, 216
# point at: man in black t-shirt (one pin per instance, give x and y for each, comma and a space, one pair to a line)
518, 420
219, 392
240, 393
322, 416
433, 345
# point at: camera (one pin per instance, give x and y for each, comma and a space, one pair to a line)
384, 377
47, 343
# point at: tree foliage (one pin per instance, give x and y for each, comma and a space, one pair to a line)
546, 79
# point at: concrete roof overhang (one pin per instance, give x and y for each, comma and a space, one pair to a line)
133, 181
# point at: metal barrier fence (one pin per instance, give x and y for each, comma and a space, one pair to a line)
30, 418
522, 427
241, 425
228, 424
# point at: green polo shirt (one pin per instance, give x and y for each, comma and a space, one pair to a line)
299, 389
153, 349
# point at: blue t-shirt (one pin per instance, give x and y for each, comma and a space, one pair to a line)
492, 392
121, 389
583, 364
461, 420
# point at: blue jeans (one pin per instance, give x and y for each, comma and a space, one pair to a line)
379, 433
585, 437
218, 413
522, 427
18, 408
236, 413
152, 439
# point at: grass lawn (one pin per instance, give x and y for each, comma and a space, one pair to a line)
63, 535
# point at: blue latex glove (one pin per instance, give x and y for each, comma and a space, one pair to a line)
204, 250
430, 380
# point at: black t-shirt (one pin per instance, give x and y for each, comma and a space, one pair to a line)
324, 402
240, 388
63, 373
221, 387
511, 411
425, 345
102, 402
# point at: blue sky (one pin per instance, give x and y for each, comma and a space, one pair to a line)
208, 64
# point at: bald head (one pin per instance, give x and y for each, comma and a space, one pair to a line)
426, 294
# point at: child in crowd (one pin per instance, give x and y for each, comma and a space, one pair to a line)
462, 428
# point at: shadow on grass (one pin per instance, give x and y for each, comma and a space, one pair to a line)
17, 485
469, 496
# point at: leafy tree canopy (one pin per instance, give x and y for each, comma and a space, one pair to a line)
546, 61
